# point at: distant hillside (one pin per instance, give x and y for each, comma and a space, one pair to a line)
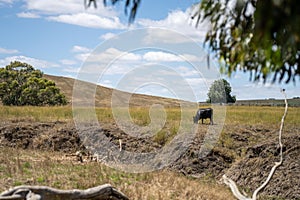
295, 102
103, 94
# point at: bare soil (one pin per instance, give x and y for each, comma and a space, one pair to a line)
244, 153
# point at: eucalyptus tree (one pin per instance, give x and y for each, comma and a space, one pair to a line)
21, 84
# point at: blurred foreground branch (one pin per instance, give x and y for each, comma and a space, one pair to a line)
101, 192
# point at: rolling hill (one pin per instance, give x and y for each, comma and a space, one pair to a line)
104, 95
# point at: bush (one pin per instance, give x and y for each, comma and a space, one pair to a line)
21, 84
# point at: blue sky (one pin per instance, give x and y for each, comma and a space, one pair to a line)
61, 37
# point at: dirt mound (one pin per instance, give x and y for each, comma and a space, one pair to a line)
212, 165
55, 136
253, 169
129, 143
246, 154
64, 137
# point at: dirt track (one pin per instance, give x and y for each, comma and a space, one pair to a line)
244, 153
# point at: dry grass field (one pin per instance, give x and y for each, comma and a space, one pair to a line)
37, 146
19, 167
54, 168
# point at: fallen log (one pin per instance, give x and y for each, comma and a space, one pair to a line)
101, 192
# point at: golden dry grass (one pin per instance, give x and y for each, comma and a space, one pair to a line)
103, 95
53, 169
19, 167
234, 114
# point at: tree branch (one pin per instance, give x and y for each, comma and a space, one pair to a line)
101, 192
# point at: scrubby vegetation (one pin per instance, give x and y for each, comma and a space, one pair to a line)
21, 84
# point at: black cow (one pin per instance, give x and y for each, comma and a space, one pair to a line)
204, 113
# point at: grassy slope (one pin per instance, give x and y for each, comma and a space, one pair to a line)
104, 94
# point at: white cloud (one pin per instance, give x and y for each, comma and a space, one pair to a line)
118, 69
264, 92
169, 57
82, 56
107, 36
71, 69
151, 79
174, 19
109, 62
80, 49
67, 62
187, 71
28, 15
73, 12
155, 90
194, 58
161, 56
164, 36
197, 81
106, 83
117, 62
6, 2
243, 88
89, 20
177, 21
82, 52
36, 63
111, 54
8, 51
57, 7
54, 6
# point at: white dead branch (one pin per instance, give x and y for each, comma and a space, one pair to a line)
101, 192
232, 184
120, 145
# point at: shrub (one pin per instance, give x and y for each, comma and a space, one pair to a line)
21, 84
